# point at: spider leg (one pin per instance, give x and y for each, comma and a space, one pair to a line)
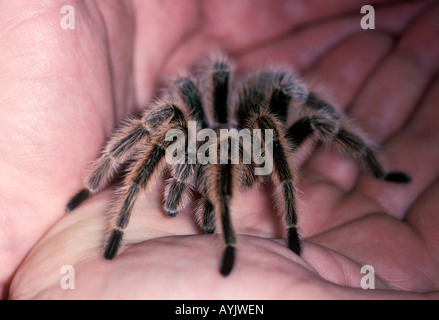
282, 172
305, 127
225, 193
358, 148
220, 175
222, 192
215, 183
220, 84
191, 97
257, 109
274, 89
178, 190
317, 104
204, 208
331, 127
121, 148
137, 180
220, 195
207, 213
118, 150
247, 176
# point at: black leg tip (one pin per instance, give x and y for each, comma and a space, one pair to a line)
209, 224
227, 261
293, 241
172, 214
398, 177
209, 230
79, 198
113, 244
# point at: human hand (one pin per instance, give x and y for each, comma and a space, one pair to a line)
80, 83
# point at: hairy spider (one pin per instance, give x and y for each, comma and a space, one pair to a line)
275, 102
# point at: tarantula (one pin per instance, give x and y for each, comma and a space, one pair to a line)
275, 104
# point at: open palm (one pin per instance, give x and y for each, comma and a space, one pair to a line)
62, 92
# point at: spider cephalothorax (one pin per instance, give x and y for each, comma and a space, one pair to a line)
273, 108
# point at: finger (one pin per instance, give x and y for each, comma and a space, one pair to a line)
151, 269
394, 19
240, 24
392, 93
297, 48
396, 252
158, 41
344, 68
412, 150
423, 217
55, 86
119, 24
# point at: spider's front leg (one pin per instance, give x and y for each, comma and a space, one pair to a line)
120, 148
205, 210
264, 103
219, 177
139, 176
276, 148
178, 193
178, 190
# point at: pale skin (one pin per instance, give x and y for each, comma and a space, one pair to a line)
62, 92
